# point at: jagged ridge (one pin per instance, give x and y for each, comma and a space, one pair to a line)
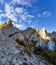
18, 54
5, 24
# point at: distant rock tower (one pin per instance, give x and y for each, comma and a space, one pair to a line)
44, 33
44, 29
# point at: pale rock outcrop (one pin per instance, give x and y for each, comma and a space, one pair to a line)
28, 32
51, 45
34, 37
42, 43
18, 36
43, 34
53, 34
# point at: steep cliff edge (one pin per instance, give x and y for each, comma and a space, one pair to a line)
8, 29
5, 24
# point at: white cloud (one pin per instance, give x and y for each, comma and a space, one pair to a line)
1, 11
48, 14
20, 26
44, 14
16, 14
26, 17
22, 2
30, 16
10, 12
19, 10
0, 22
23, 14
1, 1
19, 2
39, 15
2, 15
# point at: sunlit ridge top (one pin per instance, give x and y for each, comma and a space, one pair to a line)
5, 24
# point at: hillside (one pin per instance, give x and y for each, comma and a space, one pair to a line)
28, 47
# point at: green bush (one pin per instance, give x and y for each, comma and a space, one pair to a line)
37, 50
33, 42
21, 42
50, 56
25, 44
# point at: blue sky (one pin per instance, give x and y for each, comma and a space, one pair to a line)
29, 13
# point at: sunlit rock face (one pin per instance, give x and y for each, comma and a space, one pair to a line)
5, 24
43, 33
51, 45
44, 37
9, 29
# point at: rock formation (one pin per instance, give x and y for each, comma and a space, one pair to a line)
8, 29
12, 53
43, 34
5, 24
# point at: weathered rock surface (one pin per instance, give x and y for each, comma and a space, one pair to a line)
19, 36
53, 34
12, 53
9, 29
28, 32
51, 45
